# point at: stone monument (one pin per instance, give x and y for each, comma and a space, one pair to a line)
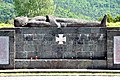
59, 43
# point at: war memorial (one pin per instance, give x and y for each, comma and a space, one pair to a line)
59, 43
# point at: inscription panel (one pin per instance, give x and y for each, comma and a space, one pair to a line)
62, 44
116, 49
4, 50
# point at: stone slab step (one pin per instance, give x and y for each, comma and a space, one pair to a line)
60, 64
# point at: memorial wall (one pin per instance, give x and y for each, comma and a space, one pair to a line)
65, 48
59, 43
70, 47
64, 43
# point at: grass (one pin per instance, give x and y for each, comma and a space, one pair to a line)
3, 25
117, 24
61, 74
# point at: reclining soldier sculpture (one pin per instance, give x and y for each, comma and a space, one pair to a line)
51, 21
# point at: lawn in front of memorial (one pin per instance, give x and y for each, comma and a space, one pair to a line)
117, 24
3, 25
61, 74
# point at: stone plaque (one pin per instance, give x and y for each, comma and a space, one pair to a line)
4, 50
116, 49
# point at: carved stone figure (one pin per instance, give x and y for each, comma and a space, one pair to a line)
51, 21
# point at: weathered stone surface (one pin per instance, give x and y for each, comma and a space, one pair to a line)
110, 48
110, 43
110, 63
104, 20
69, 55
95, 30
99, 55
21, 55
53, 64
109, 54
79, 44
84, 55
20, 21
22, 64
51, 21
82, 43
99, 64
39, 18
38, 24
11, 48
84, 48
20, 46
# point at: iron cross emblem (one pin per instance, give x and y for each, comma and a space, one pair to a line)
60, 39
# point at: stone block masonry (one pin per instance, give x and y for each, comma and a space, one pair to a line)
83, 48
79, 44
10, 51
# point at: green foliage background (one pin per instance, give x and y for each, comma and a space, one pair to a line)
33, 8
6, 11
83, 9
87, 9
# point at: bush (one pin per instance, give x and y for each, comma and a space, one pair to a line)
117, 19
109, 18
100, 19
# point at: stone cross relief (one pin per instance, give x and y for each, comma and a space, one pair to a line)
60, 39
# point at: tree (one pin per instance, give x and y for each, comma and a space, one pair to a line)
100, 18
92, 9
6, 11
32, 8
